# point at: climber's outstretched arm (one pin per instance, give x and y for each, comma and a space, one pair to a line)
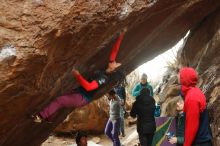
89, 86
116, 46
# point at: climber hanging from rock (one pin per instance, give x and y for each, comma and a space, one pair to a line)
82, 95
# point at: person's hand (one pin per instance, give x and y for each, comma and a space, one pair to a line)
123, 31
112, 66
109, 98
173, 140
75, 71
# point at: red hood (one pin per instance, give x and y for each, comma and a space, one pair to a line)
188, 78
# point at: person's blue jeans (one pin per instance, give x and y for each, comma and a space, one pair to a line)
112, 129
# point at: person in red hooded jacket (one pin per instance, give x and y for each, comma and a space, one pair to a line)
197, 128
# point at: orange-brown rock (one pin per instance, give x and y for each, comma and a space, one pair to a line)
41, 40
91, 118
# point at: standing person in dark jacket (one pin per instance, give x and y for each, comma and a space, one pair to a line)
144, 108
180, 122
197, 128
82, 95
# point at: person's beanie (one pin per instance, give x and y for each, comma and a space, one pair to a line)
144, 76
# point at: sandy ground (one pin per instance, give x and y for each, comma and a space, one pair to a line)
130, 139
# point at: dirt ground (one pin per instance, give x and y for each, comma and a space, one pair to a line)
130, 139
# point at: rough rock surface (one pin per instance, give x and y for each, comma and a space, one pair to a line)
91, 118
41, 40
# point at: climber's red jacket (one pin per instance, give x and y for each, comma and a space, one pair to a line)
94, 84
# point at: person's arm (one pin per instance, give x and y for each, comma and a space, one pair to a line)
180, 140
136, 91
133, 112
124, 94
116, 46
151, 91
192, 121
181, 125
89, 86
122, 102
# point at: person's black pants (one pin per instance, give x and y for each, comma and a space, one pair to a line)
208, 143
146, 139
